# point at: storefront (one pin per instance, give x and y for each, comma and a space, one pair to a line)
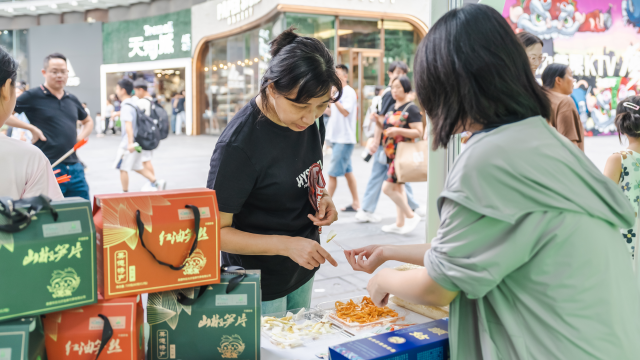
157, 49
232, 50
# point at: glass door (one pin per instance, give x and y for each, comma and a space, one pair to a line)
365, 73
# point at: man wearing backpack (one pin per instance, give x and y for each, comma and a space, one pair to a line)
130, 151
147, 105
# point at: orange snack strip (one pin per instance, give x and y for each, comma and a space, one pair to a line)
362, 313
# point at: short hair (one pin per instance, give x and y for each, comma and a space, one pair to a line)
471, 68
53, 56
528, 39
126, 84
550, 74
343, 67
398, 64
405, 82
377, 90
140, 84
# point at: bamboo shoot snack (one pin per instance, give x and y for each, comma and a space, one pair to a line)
293, 329
363, 313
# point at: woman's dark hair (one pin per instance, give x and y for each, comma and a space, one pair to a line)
405, 82
528, 39
8, 68
550, 74
471, 68
303, 63
628, 117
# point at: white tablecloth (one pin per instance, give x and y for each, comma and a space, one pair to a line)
309, 350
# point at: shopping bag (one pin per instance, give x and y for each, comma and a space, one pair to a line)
110, 329
156, 242
22, 339
210, 322
47, 256
411, 161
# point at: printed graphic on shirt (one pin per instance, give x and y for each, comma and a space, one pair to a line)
303, 179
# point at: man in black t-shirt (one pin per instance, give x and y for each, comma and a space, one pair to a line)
379, 171
53, 113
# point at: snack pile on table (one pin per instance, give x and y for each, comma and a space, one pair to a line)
362, 313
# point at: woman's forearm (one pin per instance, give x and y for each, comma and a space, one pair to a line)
415, 286
412, 254
243, 243
410, 133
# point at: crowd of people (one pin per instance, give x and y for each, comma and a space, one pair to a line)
536, 249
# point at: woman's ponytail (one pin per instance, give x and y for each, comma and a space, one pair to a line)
627, 119
287, 37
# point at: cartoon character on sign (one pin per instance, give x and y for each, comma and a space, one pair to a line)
550, 18
195, 263
631, 12
64, 283
231, 346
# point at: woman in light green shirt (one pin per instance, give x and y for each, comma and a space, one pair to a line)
526, 253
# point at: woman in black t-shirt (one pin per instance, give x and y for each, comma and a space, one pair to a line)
260, 169
402, 123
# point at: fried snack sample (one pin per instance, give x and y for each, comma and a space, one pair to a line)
363, 313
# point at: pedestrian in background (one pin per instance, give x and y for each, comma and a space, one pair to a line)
341, 132
53, 113
99, 125
380, 167
144, 102
403, 123
180, 114
108, 115
128, 157
558, 80
26, 171
174, 111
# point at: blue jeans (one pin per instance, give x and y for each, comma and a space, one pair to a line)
300, 298
374, 186
173, 123
77, 186
341, 160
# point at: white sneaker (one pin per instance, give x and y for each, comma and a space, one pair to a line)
392, 228
410, 224
365, 216
421, 211
162, 184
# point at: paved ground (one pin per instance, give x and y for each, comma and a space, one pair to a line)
184, 163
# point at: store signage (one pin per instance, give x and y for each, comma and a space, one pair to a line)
153, 38
235, 10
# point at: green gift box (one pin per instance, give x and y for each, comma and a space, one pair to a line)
22, 339
207, 322
47, 258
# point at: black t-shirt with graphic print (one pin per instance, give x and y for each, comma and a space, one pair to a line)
259, 171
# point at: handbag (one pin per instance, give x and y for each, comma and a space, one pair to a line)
411, 161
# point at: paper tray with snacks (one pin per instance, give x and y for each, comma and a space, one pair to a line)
392, 314
296, 327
